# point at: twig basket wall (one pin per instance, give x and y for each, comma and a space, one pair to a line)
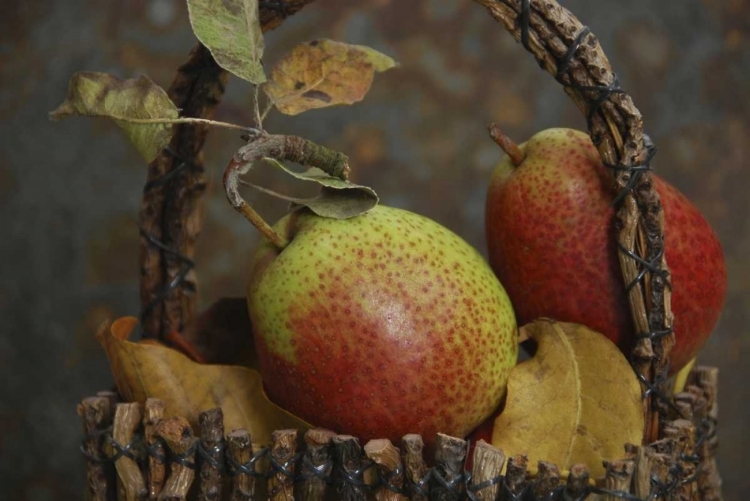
160, 458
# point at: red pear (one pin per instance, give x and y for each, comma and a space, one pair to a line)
550, 232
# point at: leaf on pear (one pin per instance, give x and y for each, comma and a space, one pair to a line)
102, 95
143, 371
576, 401
338, 199
231, 31
323, 73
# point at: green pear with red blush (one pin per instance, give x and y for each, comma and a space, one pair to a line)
380, 325
550, 232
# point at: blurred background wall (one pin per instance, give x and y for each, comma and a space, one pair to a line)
70, 192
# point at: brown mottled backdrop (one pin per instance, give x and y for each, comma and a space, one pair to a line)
70, 192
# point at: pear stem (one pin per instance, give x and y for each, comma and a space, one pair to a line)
291, 148
506, 144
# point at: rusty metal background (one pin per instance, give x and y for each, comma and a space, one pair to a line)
70, 192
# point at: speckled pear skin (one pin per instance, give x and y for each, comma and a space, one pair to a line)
381, 325
550, 232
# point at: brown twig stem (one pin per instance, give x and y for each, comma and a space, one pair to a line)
547, 480
178, 436
282, 148
317, 465
387, 457
283, 450
450, 455
157, 469
507, 145
515, 477
349, 456
212, 454
240, 449
578, 482
488, 464
618, 478
96, 414
412, 447
131, 485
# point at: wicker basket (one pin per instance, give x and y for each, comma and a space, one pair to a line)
679, 463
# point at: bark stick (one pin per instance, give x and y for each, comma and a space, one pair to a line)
487, 466
96, 414
157, 468
350, 481
240, 450
283, 450
212, 454
387, 457
131, 486
415, 467
178, 435
317, 465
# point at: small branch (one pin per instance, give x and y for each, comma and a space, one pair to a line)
487, 466
282, 148
212, 454
349, 457
317, 465
386, 456
283, 450
187, 120
546, 481
618, 478
507, 145
578, 482
412, 446
131, 486
96, 414
515, 477
157, 469
240, 450
178, 436
450, 455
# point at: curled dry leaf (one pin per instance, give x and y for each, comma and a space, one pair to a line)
576, 401
124, 101
144, 371
231, 31
323, 73
338, 199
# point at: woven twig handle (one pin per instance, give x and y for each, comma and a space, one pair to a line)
572, 54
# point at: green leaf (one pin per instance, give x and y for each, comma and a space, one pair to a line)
337, 199
231, 30
124, 101
323, 73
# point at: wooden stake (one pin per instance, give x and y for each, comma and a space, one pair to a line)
387, 457
178, 436
348, 453
515, 477
212, 456
317, 465
281, 485
546, 481
415, 467
157, 468
487, 465
131, 486
240, 449
96, 415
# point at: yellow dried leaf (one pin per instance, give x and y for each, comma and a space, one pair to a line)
323, 73
126, 102
576, 401
187, 388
